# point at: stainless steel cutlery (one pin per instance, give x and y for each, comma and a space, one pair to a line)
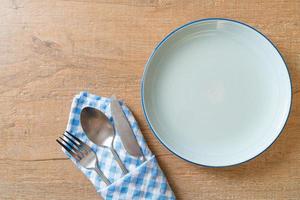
82, 153
99, 130
124, 130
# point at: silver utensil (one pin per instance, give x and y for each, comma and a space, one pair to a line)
82, 153
124, 130
100, 131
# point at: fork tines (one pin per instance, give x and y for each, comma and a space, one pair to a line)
73, 145
82, 153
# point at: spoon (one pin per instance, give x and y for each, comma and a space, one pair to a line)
100, 131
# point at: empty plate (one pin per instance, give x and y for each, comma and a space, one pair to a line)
216, 92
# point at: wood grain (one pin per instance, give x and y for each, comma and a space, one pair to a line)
52, 49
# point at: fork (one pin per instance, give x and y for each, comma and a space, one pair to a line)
82, 153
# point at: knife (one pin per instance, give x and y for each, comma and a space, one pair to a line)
124, 130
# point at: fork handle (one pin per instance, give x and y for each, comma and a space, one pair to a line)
117, 158
103, 177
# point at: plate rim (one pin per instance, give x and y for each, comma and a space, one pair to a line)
163, 41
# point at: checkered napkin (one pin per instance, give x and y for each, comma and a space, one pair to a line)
144, 180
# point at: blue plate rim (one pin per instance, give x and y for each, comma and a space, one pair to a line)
163, 41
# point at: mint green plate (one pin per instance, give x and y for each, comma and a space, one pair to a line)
216, 92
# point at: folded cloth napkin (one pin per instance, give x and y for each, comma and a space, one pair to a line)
145, 180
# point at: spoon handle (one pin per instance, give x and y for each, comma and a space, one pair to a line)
117, 158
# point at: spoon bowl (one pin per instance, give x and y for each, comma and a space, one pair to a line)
94, 122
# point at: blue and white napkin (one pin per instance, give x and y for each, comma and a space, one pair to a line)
144, 180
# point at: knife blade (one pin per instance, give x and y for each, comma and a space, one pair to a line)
124, 129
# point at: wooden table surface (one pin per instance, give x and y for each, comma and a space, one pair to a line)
52, 49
